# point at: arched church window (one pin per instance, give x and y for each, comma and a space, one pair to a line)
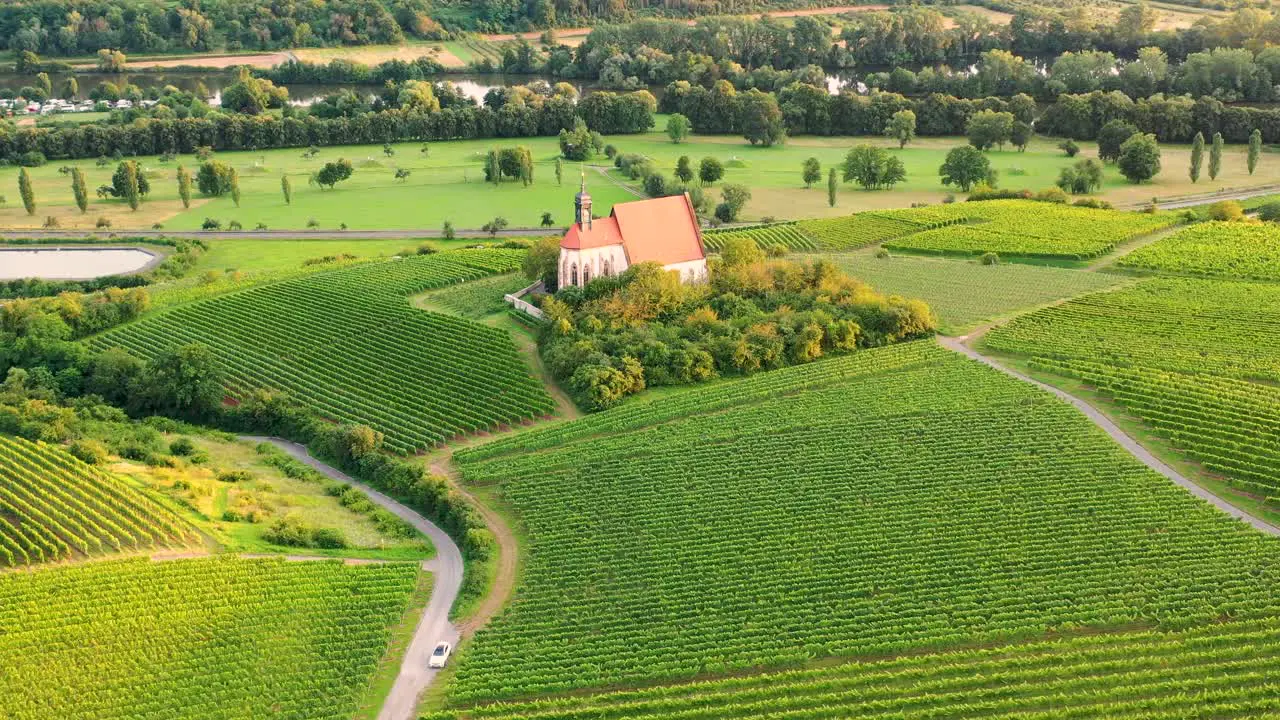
573, 274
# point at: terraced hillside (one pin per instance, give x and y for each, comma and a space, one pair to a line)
347, 345
902, 500
52, 506
202, 639
1195, 360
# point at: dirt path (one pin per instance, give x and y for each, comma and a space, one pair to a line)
508, 552
604, 173
1116, 434
434, 626
1123, 249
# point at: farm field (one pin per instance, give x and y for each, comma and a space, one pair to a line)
1022, 228
448, 183
1193, 360
752, 525
1212, 670
347, 345
475, 299
963, 293
53, 507
198, 639
1233, 250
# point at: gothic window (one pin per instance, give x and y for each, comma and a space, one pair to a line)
573, 274
606, 267
586, 275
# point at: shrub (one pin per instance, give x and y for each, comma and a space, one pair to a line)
328, 538
1226, 211
235, 476
1053, 195
103, 223
1069, 147
235, 225
1094, 203
182, 446
211, 224
990, 259
1269, 212
883, 254
31, 158
90, 452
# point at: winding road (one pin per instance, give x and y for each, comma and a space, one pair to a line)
1120, 436
434, 626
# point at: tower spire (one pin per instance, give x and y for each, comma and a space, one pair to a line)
582, 204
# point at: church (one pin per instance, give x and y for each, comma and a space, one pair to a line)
663, 230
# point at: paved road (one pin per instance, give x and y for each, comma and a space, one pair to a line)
434, 626
122, 235
1178, 203
1128, 443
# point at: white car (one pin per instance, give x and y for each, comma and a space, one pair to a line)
439, 656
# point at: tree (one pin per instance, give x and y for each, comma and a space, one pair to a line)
388, 150
494, 226
213, 178
72, 88
1139, 158
733, 199
966, 166
184, 186
873, 168
333, 173
402, 174
559, 171
1111, 137
79, 189
678, 128
547, 221
901, 127
1255, 149
542, 260
446, 230
831, 187
760, 118
577, 144
684, 169
655, 185
1020, 135
235, 187
1197, 156
286, 188
111, 61
27, 191
184, 381
988, 128
710, 170
132, 189
1215, 156
1082, 178
493, 168
253, 96
1069, 147
811, 172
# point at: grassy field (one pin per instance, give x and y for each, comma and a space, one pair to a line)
964, 294
448, 185
898, 500
197, 638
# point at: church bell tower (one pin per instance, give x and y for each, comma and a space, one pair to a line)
582, 205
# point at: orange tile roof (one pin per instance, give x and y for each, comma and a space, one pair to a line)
603, 232
663, 230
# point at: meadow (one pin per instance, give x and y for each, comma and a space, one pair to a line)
965, 294
448, 183
196, 639
305, 336
771, 522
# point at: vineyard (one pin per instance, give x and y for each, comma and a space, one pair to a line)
205, 639
1195, 360
477, 298
347, 345
1216, 671
52, 505
769, 522
1219, 249
786, 235
1026, 228
963, 293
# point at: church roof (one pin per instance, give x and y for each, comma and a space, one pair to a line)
663, 230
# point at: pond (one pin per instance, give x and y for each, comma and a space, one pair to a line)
78, 263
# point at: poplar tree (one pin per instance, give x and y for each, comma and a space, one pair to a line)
1215, 156
831, 187
79, 189
1255, 148
235, 187
28, 193
184, 186
559, 171
1197, 156
132, 192
287, 189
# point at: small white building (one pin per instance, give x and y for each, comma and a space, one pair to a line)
663, 230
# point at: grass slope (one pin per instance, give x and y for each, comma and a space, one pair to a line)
53, 506
964, 294
347, 345
206, 639
895, 501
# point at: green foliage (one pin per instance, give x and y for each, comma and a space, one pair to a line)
357, 313
1269, 212
286, 188
300, 637
1082, 178
214, 178
988, 128
1215, 156
1218, 249
901, 127
965, 166
1069, 147
781, 481
68, 507
79, 190
811, 171
710, 170
330, 175
873, 168
678, 128
684, 170
235, 187
1111, 137
184, 186
577, 144
831, 187
27, 191
1139, 159
1197, 157
1255, 149
760, 118
252, 96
